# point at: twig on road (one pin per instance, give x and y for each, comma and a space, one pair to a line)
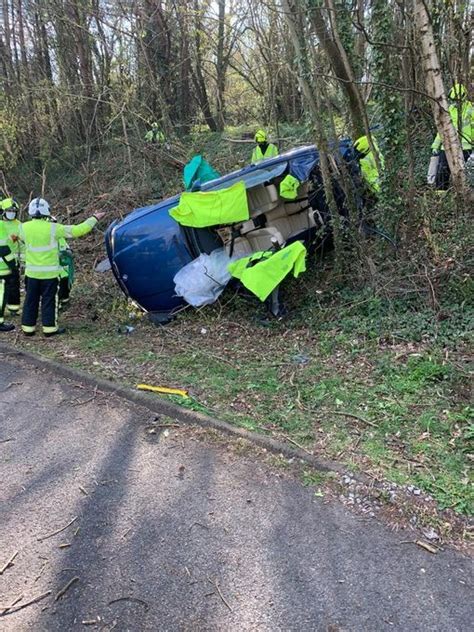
50, 535
7, 440
66, 587
24, 605
431, 548
40, 573
9, 563
216, 586
85, 401
13, 603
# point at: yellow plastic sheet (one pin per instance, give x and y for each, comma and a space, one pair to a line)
212, 208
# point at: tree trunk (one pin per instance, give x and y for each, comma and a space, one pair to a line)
436, 91
220, 68
312, 98
340, 70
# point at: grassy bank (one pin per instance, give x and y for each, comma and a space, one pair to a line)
378, 384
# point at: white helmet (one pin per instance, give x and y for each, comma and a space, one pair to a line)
38, 207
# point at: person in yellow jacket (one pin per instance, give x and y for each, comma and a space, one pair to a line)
42, 266
368, 166
7, 267
461, 111
154, 134
9, 209
264, 149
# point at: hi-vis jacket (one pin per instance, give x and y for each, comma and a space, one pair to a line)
270, 152
41, 238
12, 227
7, 257
464, 127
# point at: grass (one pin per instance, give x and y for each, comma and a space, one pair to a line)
372, 374
391, 401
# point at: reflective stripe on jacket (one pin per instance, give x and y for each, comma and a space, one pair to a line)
270, 152
465, 129
41, 237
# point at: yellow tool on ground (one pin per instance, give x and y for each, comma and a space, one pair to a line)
163, 389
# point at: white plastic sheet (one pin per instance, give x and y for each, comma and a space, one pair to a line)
203, 280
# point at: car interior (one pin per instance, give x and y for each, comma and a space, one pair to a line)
273, 221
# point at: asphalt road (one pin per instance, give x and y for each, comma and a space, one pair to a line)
171, 532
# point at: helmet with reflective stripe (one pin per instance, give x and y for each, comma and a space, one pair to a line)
458, 91
260, 136
38, 208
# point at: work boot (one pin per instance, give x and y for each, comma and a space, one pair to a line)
7, 327
58, 332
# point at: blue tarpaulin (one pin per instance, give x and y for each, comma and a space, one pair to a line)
301, 167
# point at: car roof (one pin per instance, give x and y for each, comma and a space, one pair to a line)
299, 162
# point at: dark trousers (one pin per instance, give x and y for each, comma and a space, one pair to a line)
13, 291
444, 173
64, 289
44, 291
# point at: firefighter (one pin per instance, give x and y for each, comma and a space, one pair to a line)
264, 149
368, 166
42, 266
155, 135
461, 111
7, 267
9, 209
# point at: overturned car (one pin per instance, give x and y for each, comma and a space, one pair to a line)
263, 208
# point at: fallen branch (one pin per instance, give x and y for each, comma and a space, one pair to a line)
7, 440
13, 603
28, 603
9, 563
66, 587
50, 535
251, 140
431, 548
428, 547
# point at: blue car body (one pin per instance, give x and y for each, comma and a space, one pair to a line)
148, 247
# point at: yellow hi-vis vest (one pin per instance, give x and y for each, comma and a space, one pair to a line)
271, 152
41, 237
465, 129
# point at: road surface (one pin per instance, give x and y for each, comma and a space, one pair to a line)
172, 532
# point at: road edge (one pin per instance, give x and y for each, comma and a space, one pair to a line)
159, 405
